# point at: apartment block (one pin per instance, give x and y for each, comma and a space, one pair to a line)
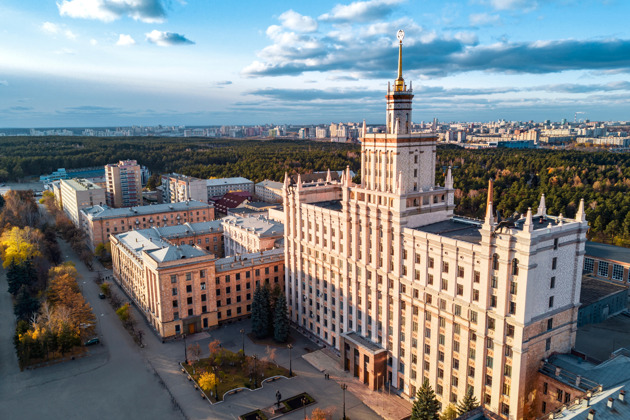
177, 188
221, 186
77, 194
269, 191
245, 235
100, 221
124, 184
404, 290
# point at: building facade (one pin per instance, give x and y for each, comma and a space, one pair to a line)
221, 186
386, 265
245, 235
269, 191
182, 288
124, 184
607, 262
77, 194
177, 188
99, 222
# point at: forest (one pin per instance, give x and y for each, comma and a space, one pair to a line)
520, 176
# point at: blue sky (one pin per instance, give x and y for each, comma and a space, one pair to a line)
207, 62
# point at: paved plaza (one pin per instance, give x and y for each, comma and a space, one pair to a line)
118, 379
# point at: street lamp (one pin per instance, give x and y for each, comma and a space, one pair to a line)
243, 336
290, 347
344, 387
255, 372
185, 350
304, 401
216, 383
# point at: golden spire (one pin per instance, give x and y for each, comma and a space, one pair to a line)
399, 85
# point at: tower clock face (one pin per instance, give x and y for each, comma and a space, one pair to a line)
400, 35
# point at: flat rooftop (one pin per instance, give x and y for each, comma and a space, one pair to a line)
105, 212
227, 181
81, 184
363, 342
608, 252
594, 289
334, 205
455, 228
259, 225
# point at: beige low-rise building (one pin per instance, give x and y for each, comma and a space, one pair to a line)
77, 194
269, 191
182, 288
178, 188
244, 235
100, 221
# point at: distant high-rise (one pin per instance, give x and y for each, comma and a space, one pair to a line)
124, 184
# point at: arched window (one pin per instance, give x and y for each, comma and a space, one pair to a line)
495, 262
515, 267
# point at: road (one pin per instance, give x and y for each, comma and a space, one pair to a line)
113, 381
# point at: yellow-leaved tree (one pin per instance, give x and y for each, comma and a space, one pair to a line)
207, 381
18, 245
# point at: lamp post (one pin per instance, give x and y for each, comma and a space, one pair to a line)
344, 387
255, 357
243, 336
290, 347
304, 401
185, 350
216, 383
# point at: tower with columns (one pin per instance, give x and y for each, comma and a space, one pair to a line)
404, 290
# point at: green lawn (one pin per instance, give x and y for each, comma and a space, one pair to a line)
234, 371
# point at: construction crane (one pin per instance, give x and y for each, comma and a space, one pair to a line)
575, 116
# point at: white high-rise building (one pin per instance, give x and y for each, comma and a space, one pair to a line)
386, 274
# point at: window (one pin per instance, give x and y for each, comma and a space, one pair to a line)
460, 290
431, 262
559, 395
554, 263
444, 267
188, 276
552, 283
602, 269
495, 262
507, 371
548, 344
510, 330
506, 389
477, 277
430, 279
512, 308
589, 265
173, 278
204, 297
617, 272
493, 301
549, 324
545, 387
491, 323
473, 317
489, 342
458, 310
494, 282
551, 301
174, 303
515, 267
513, 288
188, 288
488, 380
444, 284
475, 295
174, 291
189, 301
460, 271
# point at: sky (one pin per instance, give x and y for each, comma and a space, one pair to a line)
78, 63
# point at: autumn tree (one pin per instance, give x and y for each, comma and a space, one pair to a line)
449, 413
194, 350
20, 244
208, 381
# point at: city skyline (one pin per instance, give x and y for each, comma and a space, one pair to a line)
145, 62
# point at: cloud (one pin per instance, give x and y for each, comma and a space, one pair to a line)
576, 88
361, 11
483, 19
65, 51
366, 52
125, 40
52, 29
166, 39
4, 83
93, 42
523, 5
89, 109
222, 84
315, 94
149, 11
297, 22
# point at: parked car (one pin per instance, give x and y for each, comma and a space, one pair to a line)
101, 295
92, 341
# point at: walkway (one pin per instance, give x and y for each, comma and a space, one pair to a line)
388, 406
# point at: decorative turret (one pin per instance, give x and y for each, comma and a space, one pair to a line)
328, 177
580, 216
489, 210
399, 85
542, 208
399, 99
528, 226
448, 183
